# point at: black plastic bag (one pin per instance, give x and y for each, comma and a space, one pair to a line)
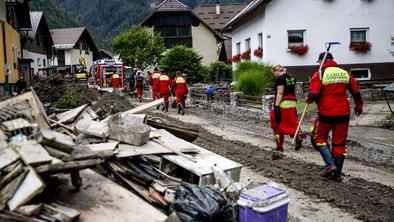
201, 204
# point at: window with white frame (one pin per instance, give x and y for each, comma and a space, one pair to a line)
296, 37
361, 73
260, 40
238, 48
247, 44
358, 35
44, 62
38, 62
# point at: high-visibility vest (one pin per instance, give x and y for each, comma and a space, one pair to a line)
334, 75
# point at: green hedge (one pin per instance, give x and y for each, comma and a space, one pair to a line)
253, 78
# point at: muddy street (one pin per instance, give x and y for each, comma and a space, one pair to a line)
365, 193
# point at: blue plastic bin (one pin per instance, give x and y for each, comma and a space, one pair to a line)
263, 204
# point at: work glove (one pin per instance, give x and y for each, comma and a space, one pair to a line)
278, 117
308, 100
358, 109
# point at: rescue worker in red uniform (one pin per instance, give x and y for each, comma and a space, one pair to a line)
115, 80
180, 87
164, 88
154, 82
328, 89
284, 120
139, 84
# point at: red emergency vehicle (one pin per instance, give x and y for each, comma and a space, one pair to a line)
100, 74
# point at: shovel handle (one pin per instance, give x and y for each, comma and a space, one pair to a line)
299, 124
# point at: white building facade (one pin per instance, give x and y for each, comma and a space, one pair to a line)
275, 25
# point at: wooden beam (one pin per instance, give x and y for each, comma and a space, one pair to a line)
61, 167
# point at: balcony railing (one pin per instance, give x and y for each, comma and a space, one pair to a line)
171, 41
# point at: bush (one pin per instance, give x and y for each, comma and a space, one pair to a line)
179, 58
253, 78
219, 71
67, 102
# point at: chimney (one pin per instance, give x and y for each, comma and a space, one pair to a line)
218, 7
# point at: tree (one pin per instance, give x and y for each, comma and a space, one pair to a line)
138, 48
392, 43
179, 58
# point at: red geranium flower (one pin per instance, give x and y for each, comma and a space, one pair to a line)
258, 52
245, 55
299, 50
362, 47
236, 58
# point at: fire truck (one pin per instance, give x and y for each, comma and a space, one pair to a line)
100, 74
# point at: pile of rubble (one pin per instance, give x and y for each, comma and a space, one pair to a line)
152, 162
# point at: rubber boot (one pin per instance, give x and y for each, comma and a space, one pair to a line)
140, 99
277, 153
182, 110
298, 143
325, 152
338, 161
179, 108
166, 107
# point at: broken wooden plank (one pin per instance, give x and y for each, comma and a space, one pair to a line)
61, 167
11, 175
16, 124
29, 188
16, 217
9, 189
31, 152
184, 133
60, 213
145, 107
58, 154
84, 139
174, 150
56, 140
55, 123
71, 115
29, 210
93, 128
89, 114
83, 153
7, 156
103, 149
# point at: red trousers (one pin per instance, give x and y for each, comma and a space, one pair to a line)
155, 93
339, 135
165, 96
179, 98
139, 92
288, 126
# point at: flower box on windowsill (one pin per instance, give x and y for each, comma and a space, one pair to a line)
360, 47
258, 52
236, 58
245, 55
299, 50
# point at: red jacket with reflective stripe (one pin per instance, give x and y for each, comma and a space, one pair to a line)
164, 83
155, 80
180, 85
330, 93
115, 81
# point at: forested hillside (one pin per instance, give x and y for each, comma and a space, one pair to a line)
55, 16
104, 19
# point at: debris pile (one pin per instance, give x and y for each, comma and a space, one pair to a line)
51, 89
30, 152
152, 162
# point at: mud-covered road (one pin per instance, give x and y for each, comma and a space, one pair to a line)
360, 194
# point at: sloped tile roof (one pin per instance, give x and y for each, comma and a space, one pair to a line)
35, 18
172, 5
66, 35
207, 13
